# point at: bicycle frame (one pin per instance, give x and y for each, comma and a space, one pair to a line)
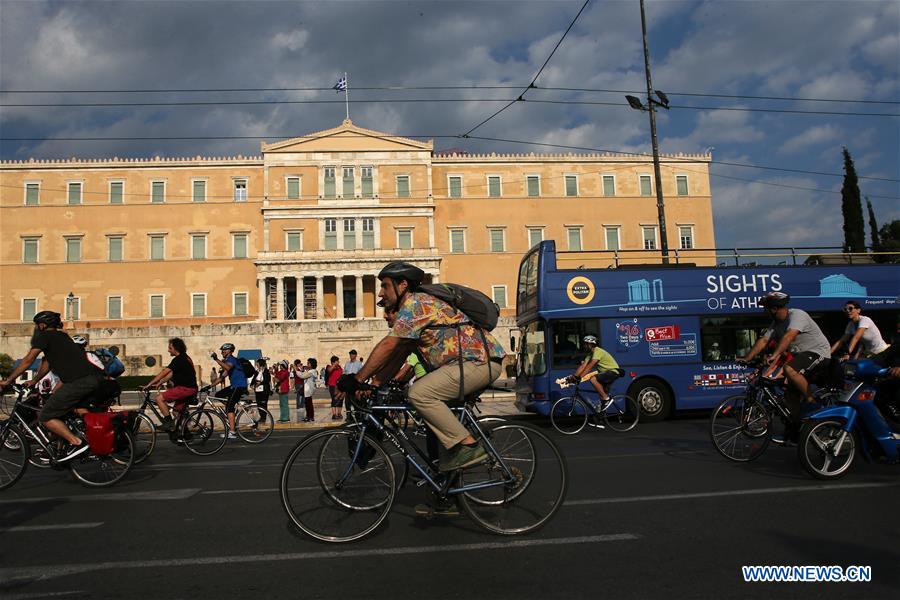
38, 434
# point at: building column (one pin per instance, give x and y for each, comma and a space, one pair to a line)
339, 295
320, 297
435, 278
279, 299
360, 307
261, 285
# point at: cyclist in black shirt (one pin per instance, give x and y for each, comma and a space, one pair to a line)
79, 377
184, 382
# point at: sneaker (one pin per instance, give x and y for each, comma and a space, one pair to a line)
230, 435
462, 456
168, 424
73, 451
429, 512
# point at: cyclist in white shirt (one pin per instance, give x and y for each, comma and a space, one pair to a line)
862, 334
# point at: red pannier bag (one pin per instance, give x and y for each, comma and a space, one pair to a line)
100, 431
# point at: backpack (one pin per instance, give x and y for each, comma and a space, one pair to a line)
247, 367
477, 307
112, 366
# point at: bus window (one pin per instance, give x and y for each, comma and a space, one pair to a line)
567, 347
728, 337
533, 350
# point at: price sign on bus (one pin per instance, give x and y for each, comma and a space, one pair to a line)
656, 334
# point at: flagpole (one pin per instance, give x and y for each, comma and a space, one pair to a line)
347, 94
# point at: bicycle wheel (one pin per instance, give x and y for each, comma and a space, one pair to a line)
14, 455
622, 413
144, 432
329, 495
826, 450
254, 424
522, 498
569, 415
203, 432
401, 465
740, 428
101, 471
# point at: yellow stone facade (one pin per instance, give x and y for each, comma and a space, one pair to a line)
296, 233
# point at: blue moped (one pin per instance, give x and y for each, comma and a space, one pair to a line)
831, 437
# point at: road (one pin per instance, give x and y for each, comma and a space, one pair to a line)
651, 513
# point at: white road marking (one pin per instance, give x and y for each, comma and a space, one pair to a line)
27, 528
211, 463
779, 490
45, 595
50, 571
177, 494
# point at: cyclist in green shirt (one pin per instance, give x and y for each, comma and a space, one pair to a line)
606, 366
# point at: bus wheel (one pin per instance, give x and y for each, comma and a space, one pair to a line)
654, 399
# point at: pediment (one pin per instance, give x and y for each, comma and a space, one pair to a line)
348, 137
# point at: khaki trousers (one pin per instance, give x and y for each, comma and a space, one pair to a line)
429, 394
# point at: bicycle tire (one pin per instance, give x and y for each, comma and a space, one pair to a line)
144, 433
525, 511
503, 444
401, 465
254, 425
15, 453
200, 432
815, 449
740, 428
569, 415
94, 470
313, 476
622, 414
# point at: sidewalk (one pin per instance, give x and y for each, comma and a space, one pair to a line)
492, 403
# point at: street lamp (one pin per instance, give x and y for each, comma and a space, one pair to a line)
652, 103
70, 303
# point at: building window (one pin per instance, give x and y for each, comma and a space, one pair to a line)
157, 306
574, 235
498, 239
30, 250
329, 182
686, 235
199, 192
157, 247
534, 185
240, 304
74, 193
454, 184
612, 238
29, 309
347, 183
609, 185
681, 185
73, 308
403, 186
239, 245
535, 236
571, 185
73, 250
114, 307
293, 188
457, 241
115, 248
198, 305
368, 188
116, 192
404, 239
368, 234
293, 241
330, 234
158, 192
32, 194
494, 186
646, 187
240, 190
198, 247
649, 234
349, 234
499, 295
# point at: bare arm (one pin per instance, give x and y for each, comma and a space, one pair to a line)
386, 358
839, 343
853, 342
42, 372
757, 348
23, 366
585, 367
784, 344
160, 378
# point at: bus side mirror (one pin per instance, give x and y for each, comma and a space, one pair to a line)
512, 343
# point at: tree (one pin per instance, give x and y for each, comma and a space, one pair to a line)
851, 208
6, 364
889, 235
873, 229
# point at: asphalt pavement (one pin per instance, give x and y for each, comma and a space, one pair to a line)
653, 513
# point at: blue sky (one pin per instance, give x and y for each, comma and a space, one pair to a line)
792, 49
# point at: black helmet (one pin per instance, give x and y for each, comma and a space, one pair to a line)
398, 270
227, 346
49, 318
776, 299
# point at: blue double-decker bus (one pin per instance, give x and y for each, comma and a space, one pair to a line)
676, 328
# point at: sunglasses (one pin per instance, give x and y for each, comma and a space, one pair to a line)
850, 309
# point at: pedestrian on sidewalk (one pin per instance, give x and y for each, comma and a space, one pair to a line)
309, 376
297, 382
334, 371
262, 384
283, 384
213, 375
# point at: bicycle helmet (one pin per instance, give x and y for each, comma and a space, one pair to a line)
49, 318
776, 299
399, 270
225, 347
589, 339
80, 340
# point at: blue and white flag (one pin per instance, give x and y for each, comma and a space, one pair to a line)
341, 85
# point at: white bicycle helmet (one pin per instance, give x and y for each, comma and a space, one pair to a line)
589, 339
80, 340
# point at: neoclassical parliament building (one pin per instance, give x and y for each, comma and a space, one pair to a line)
280, 251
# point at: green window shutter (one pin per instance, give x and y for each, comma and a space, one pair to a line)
30, 251
646, 188
293, 188
157, 248
612, 238
456, 187
74, 193
198, 305
367, 187
497, 240
158, 193
115, 249
457, 241
156, 306
199, 191
198, 246
534, 186
240, 246
368, 240
535, 237
116, 192
681, 184
609, 185
404, 239
403, 187
240, 304
571, 185
494, 187
574, 238
29, 309
114, 307
32, 194
73, 251
293, 242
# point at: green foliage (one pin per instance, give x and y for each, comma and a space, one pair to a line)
851, 208
889, 235
6, 364
133, 382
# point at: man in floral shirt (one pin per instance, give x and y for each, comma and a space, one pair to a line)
429, 325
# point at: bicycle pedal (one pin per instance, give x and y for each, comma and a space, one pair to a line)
421, 482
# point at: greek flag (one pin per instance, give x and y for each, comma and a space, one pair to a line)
341, 85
